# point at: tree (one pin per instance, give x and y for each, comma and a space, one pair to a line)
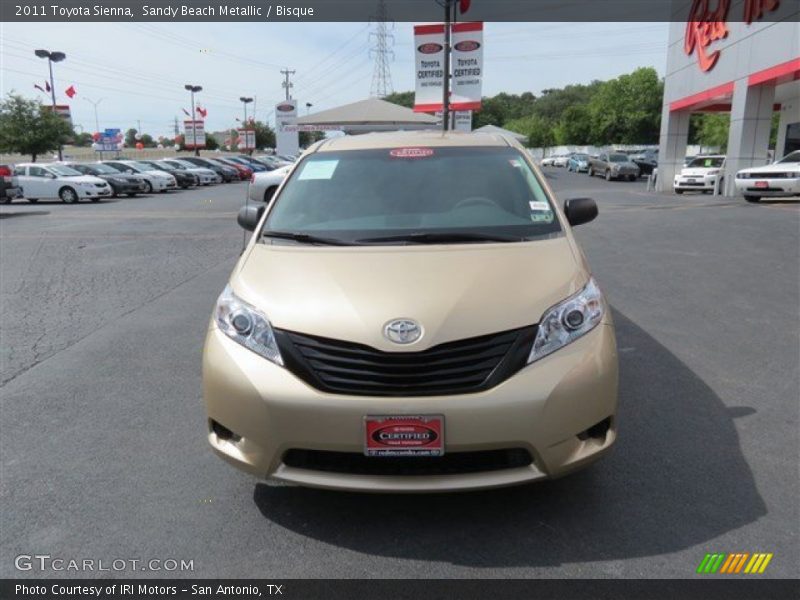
574, 127
538, 130
309, 137
211, 143
713, 130
627, 110
83, 140
265, 136
27, 127
402, 98
130, 137
148, 140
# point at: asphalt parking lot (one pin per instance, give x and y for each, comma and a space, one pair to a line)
102, 429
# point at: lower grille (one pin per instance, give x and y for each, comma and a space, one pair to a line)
464, 366
455, 463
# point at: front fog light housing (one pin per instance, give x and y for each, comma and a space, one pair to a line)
567, 321
246, 325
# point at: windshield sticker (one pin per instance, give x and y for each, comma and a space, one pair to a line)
515, 163
318, 169
542, 217
411, 152
539, 206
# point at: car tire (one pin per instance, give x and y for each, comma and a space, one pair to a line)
677, 191
68, 195
95, 199
148, 187
753, 199
632, 178
608, 175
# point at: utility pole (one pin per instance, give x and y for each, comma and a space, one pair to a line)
177, 128
381, 74
51, 58
448, 4
287, 85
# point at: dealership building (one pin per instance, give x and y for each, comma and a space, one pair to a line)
740, 57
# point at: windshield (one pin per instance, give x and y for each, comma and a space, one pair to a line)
580, 156
707, 162
183, 163
355, 195
792, 157
139, 166
102, 169
618, 158
63, 171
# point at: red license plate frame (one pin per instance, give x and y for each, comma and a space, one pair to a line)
404, 435
762, 184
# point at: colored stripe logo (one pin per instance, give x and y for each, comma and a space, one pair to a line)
731, 564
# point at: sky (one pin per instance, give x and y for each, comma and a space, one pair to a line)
137, 70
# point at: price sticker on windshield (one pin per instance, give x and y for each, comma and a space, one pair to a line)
411, 152
318, 169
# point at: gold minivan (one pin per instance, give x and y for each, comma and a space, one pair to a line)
412, 314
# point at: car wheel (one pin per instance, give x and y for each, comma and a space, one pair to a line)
148, 187
608, 175
753, 199
95, 199
68, 195
677, 191
632, 177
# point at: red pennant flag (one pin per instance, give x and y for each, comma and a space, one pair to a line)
70, 91
203, 112
47, 86
186, 112
38, 87
463, 5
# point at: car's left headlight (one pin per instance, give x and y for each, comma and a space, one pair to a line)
568, 320
246, 325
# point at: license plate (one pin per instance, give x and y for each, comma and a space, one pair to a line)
762, 184
404, 435
691, 181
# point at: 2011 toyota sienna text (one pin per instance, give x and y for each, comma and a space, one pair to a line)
412, 313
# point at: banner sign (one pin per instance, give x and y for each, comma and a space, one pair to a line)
62, 110
429, 51
313, 128
194, 134
467, 60
247, 139
286, 139
109, 140
462, 120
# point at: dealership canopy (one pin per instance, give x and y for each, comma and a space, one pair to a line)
494, 129
368, 115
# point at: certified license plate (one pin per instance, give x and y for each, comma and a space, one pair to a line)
762, 184
404, 435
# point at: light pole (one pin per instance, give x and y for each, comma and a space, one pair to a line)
245, 101
308, 107
51, 58
96, 120
193, 89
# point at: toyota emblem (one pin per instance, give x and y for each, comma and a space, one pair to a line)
402, 331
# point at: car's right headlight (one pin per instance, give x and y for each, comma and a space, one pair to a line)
246, 325
568, 320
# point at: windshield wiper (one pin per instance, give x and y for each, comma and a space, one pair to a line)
305, 238
453, 237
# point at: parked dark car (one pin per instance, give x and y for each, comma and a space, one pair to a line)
256, 167
245, 171
613, 165
266, 166
121, 183
9, 185
646, 160
227, 173
184, 178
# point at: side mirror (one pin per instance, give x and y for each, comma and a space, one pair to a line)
249, 216
130, 171
580, 210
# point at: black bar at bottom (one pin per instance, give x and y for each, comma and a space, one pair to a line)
702, 588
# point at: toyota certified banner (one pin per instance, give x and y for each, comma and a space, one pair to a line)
429, 44
467, 66
247, 139
286, 139
194, 134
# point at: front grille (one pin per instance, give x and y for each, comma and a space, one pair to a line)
454, 463
100, 185
775, 175
464, 366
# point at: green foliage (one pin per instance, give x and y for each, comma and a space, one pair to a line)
538, 130
309, 137
402, 98
27, 127
265, 136
712, 130
148, 141
130, 137
574, 126
82, 140
211, 142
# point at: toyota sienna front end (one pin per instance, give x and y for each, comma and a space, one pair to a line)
412, 313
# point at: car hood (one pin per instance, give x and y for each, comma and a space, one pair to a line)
774, 168
453, 291
158, 174
84, 179
698, 171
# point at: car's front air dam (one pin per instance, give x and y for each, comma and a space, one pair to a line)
543, 408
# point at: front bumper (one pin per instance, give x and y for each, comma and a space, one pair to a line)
695, 183
94, 192
543, 408
775, 188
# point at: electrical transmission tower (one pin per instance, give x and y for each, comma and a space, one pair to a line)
381, 51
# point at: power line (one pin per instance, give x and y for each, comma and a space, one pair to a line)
381, 74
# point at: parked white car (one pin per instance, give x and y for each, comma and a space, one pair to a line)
264, 185
56, 181
780, 179
206, 176
156, 181
701, 174
548, 161
561, 160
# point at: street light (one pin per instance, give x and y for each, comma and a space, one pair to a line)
193, 89
245, 101
51, 58
308, 107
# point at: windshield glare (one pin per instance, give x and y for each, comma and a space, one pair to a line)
139, 166
63, 171
618, 158
354, 195
792, 157
104, 169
